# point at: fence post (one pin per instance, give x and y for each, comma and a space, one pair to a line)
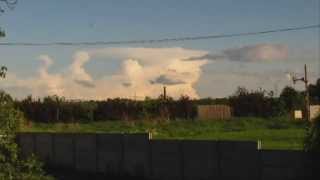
150, 156
97, 150
122, 154
219, 159
74, 151
53, 148
181, 156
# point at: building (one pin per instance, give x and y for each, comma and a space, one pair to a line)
314, 111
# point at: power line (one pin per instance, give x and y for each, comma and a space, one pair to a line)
152, 41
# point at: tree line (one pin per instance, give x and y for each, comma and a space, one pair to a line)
257, 103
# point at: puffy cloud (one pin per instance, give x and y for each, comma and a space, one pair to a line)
77, 70
139, 66
251, 53
41, 85
49, 83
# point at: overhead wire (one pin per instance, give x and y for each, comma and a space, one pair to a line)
163, 40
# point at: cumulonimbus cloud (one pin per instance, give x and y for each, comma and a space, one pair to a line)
250, 53
139, 67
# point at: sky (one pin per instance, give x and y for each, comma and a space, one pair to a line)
204, 68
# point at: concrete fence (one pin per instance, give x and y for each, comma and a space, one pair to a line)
137, 154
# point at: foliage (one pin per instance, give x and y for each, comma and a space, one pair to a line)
314, 91
312, 141
12, 166
291, 98
259, 103
245, 103
56, 109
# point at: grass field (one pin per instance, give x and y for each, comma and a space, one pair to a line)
273, 133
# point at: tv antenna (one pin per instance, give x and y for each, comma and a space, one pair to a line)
305, 81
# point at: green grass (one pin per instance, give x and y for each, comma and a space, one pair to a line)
273, 133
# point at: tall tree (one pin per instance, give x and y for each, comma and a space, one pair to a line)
291, 98
314, 91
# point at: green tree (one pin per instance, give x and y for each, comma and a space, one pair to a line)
314, 91
258, 103
291, 98
12, 166
312, 141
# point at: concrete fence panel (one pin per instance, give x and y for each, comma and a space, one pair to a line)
284, 165
166, 160
238, 160
85, 152
64, 151
27, 144
110, 153
136, 154
44, 146
200, 160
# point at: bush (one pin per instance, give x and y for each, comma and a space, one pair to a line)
258, 103
312, 141
12, 166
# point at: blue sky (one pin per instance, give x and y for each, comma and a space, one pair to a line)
116, 20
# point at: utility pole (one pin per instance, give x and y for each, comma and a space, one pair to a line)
164, 92
306, 100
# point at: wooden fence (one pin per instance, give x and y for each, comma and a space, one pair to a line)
216, 112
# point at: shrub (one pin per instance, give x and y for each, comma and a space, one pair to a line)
12, 167
312, 141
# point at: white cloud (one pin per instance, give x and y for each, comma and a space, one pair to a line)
77, 70
139, 67
50, 83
